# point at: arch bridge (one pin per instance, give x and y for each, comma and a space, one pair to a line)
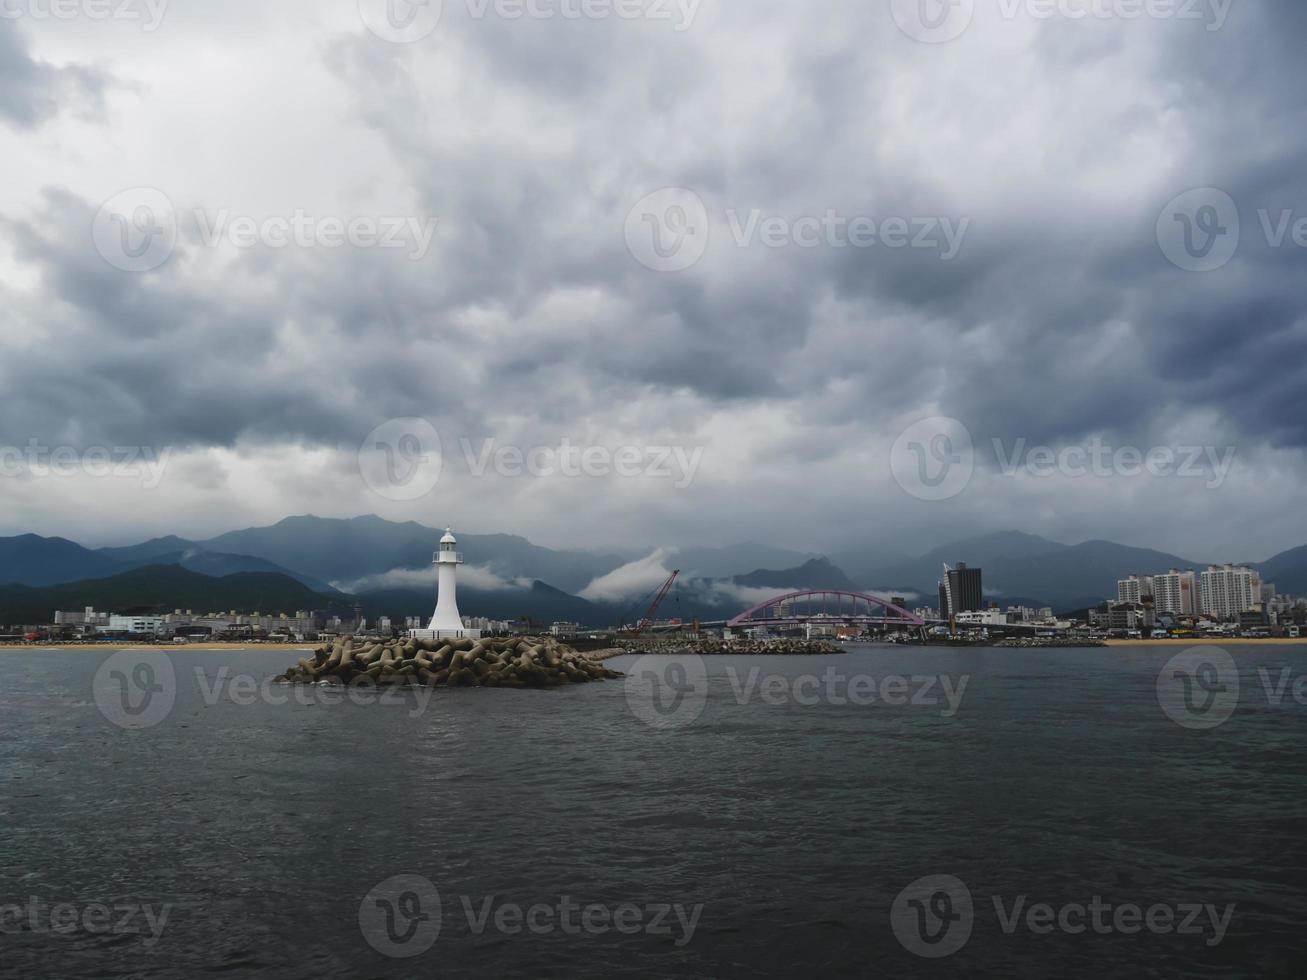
826, 607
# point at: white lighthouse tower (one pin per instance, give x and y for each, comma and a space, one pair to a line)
446, 623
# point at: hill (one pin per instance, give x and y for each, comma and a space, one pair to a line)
345, 551
819, 573
36, 561
1019, 564
30, 559
164, 588
703, 562
1287, 571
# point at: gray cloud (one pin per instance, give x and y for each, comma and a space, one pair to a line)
1060, 319
33, 91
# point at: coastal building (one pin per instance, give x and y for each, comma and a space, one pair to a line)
136, 625
1227, 591
960, 591
1176, 593
1129, 617
487, 625
446, 623
1284, 610
1012, 615
87, 617
1134, 588
1028, 614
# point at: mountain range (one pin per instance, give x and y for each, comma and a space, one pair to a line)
321, 563
1019, 564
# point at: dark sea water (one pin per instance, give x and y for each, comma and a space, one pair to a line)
264, 829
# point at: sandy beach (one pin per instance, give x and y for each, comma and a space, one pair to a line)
1198, 641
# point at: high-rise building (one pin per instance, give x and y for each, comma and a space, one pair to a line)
1228, 590
960, 591
1134, 588
1176, 593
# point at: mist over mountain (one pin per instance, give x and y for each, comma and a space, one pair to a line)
389, 565
344, 551
725, 562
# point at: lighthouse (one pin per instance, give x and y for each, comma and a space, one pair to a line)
446, 623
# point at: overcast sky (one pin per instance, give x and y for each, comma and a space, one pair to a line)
825, 274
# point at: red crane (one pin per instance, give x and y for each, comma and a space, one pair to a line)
648, 619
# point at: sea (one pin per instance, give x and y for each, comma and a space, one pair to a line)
890, 811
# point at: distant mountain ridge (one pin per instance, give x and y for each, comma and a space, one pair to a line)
317, 552
703, 562
344, 551
1287, 571
164, 588
36, 561
819, 573
1019, 564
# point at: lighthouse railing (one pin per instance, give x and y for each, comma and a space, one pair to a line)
448, 558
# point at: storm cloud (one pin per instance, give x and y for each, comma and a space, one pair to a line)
1011, 185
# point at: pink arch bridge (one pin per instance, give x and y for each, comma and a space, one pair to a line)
826, 607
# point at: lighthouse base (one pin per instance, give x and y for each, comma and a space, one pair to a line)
460, 634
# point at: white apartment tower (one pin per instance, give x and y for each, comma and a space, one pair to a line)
1176, 593
1228, 590
1134, 588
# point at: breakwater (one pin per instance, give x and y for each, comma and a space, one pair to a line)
517, 662
719, 648
1047, 642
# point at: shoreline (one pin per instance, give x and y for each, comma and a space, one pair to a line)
606, 653
1209, 641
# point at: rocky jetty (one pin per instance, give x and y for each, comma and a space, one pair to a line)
517, 662
1046, 643
720, 648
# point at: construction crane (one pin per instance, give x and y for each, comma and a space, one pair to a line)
648, 619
